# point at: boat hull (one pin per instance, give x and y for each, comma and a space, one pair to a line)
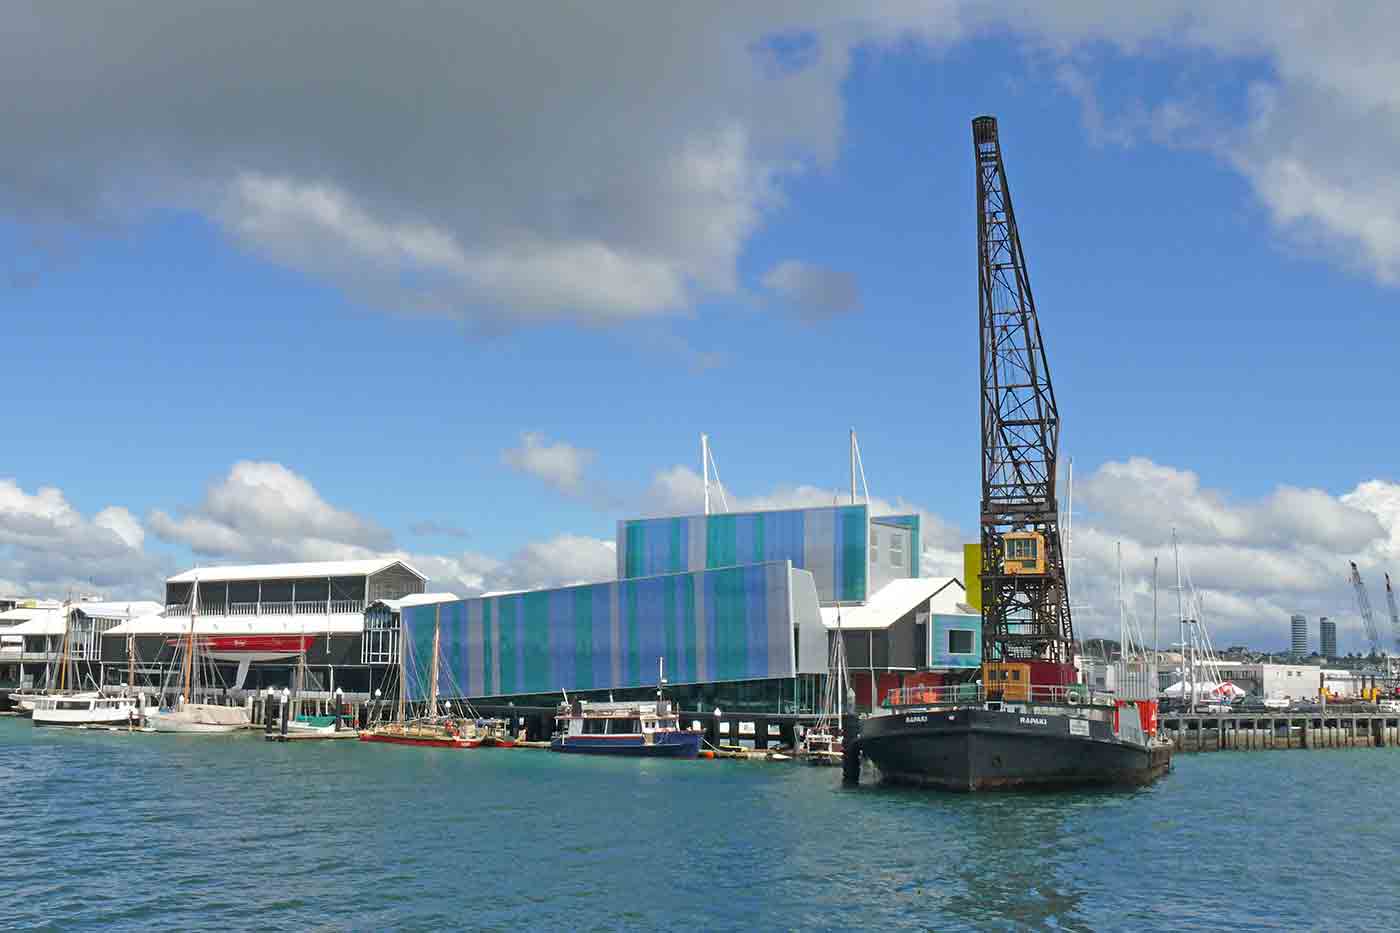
971, 749
673, 745
112, 718
421, 740
159, 722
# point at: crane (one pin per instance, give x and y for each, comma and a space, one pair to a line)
1394, 613
1363, 603
1025, 599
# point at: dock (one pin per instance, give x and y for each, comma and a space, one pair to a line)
1344, 727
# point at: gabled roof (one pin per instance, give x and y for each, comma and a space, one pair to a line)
313, 570
892, 601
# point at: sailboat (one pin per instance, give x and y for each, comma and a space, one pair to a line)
822, 745
189, 715
432, 729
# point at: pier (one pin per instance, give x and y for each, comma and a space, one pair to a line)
1342, 727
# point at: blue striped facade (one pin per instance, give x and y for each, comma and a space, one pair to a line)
829, 542
731, 623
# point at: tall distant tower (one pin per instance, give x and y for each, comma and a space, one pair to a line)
1328, 637
1300, 636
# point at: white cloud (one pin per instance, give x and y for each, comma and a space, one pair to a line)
47, 547
264, 511
1253, 562
813, 292
559, 464
593, 165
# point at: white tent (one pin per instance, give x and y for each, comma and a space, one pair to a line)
1205, 690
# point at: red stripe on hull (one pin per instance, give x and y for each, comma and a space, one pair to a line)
233, 644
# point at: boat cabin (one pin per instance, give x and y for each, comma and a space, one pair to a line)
635, 720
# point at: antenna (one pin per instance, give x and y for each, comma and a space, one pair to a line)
707, 463
858, 466
705, 467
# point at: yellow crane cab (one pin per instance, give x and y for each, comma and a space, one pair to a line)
1023, 552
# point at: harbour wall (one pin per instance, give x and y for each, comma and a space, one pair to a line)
1209, 732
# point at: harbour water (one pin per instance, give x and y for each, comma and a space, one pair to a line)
116, 831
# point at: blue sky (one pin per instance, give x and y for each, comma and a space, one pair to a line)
1195, 316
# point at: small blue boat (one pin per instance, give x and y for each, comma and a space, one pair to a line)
637, 729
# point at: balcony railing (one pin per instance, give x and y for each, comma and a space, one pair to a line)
278, 608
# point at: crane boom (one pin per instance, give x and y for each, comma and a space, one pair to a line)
1363, 603
1025, 602
1394, 613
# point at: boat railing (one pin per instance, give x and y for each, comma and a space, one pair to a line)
977, 694
278, 608
242, 609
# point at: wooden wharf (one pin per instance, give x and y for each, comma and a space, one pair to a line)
1333, 727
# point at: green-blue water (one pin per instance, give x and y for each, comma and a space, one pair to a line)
116, 831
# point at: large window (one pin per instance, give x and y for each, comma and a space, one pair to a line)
896, 550
874, 545
959, 641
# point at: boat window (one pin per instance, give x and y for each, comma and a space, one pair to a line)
624, 727
959, 641
874, 545
594, 726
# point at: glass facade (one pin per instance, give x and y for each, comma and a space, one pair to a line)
831, 543
728, 624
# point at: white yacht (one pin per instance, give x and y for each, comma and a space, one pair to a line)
86, 709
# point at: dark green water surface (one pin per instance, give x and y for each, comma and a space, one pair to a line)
116, 831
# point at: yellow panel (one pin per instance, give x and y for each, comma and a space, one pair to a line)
972, 574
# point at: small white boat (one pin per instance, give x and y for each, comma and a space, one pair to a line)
86, 709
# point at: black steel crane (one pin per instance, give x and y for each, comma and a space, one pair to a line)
1025, 603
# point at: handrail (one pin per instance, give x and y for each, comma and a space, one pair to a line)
976, 693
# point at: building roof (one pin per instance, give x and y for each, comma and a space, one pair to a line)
416, 599
313, 569
117, 609
41, 622
347, 623
892, 601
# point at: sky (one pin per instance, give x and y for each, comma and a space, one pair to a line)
465, 286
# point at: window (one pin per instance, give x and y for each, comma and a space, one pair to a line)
1021, 549
896, 550
594, 726
874, 545
624, 727
959, 641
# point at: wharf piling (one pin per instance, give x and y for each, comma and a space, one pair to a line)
1342, 728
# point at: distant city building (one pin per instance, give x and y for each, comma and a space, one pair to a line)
1300, 636
1328, 637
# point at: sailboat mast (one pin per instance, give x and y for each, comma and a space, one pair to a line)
1156, 683
63, 649
403, 672
189, 646
1186, 680
437, 641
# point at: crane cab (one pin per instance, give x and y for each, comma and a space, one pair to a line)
1023, 552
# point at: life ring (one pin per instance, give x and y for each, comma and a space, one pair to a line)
1073, 697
